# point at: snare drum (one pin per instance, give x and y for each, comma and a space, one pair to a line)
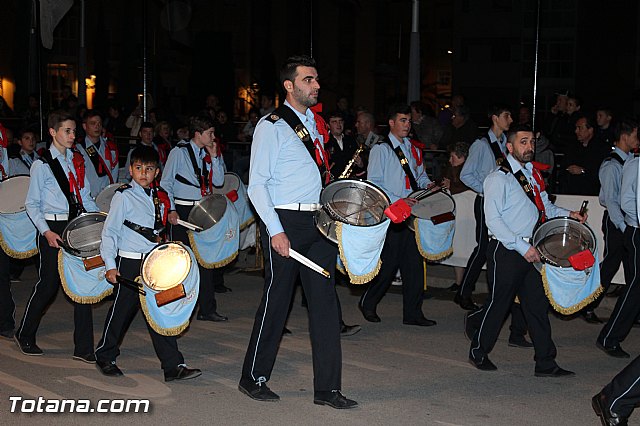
13, 193
433, 221
559, 238
432, 204
171, 278
103, 200
208, 211
83, 234
232, 183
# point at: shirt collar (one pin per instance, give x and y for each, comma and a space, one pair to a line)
395, 141
307, 117
500, 140
55, 153
621, 153
515, 165
197, 150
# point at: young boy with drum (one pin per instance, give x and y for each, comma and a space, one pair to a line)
136, 221
58, 192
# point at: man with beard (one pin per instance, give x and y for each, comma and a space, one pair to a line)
287, 172
515, 201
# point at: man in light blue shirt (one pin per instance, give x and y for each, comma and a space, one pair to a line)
284, 187
511, 217
613, 226
627, 307
100, 155
400, 247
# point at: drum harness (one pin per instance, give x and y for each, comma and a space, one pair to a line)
205, 181
528, 189
75, 203
405, 165
158, 232
96, 159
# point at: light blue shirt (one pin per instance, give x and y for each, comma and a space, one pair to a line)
385, 170
4, 161
22, 165
481, 161
509, 213
281, 170
628, 189
134, 205
98, 183
179, 163
45, 196
610, 175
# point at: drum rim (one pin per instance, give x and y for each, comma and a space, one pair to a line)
158, 247
22, 175
219, 188
116, 185
328, 210
565, 218
197, 206
441, 190
69, 228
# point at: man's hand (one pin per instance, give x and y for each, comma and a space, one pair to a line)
52, 238
446, 183
111, 276
575, 170
359, 161
173, 217
281, 244
577, 215
532, 255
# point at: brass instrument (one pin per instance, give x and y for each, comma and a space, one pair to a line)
347, 170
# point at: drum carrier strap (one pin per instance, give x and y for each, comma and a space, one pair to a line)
155, 234
75, 207
615, 156
528, 189
204, 180
497, 152
96, 159
405, 164
294, 122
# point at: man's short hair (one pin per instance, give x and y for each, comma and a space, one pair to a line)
145, 155
590, 120
56, 118
606, 109
461, 149
398, 108
419, 106
335, 114
146, 125
200, 124
626, 126
497, 109
91, 113
22, 132
513, 130
289, 68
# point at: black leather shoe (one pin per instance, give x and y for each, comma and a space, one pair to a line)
614, 351
591, 317
554, 372
222, 289
483, 364
8, 333
453, 288
88, 358
28, 348
519, 342
636, 323
422, 322
181, 372
465, 303
109, 368
334, 399
600, 405
349, 330
258, 391
214, 316
285, 330
370, 316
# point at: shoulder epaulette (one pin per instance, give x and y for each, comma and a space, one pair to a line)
273, 118
122, 187
504, 170
183, 144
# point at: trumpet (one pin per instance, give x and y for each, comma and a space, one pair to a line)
347, 170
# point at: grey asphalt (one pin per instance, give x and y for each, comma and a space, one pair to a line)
399, 374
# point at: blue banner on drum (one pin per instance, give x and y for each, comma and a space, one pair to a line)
18, 235
80, 285
359, 249
244, 207
173, 318
435, 242
218, 245
569, 290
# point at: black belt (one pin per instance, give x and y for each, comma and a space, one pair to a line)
149, 233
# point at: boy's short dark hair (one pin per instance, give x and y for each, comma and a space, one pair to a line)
626, 126
91, 113
146, 125
56, 118
200, 124
497, 109
398, 108
145, 155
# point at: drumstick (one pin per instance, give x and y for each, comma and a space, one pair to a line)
131, 284
190, 226
68, 248
309, 263
583, 208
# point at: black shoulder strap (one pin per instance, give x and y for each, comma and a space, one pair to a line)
614, 155
404, 163
94, 156
497, 152
505, 167
294, 122
194, 164
75, 208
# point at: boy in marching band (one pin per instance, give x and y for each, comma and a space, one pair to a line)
133, 228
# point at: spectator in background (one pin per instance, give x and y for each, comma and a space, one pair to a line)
444, 118
544, 155
605, 131
31, 115
135, 119
182, 133
212, 106
266, 105
425, 127
461, 128
365, 126
246, 134
524, 116
225, 131
162, 140
347, 113
458, 153
115, 123
558, 128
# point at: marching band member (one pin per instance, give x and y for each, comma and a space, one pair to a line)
286, 174
132, 229
146, 139
386, 170
59, 191
192, 170
100, 154
21, 163
514, 202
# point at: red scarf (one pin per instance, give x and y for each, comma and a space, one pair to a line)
76, 182
163, 197
538, 199
204, 190
323, 130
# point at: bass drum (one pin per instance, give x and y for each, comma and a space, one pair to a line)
351, 201
559, 238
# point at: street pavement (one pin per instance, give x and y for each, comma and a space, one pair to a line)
399, 374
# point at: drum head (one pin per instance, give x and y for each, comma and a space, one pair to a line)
84, 233
231, 182
432, 203
166, 266
103, 200
208, 211
561, 237
13, 192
